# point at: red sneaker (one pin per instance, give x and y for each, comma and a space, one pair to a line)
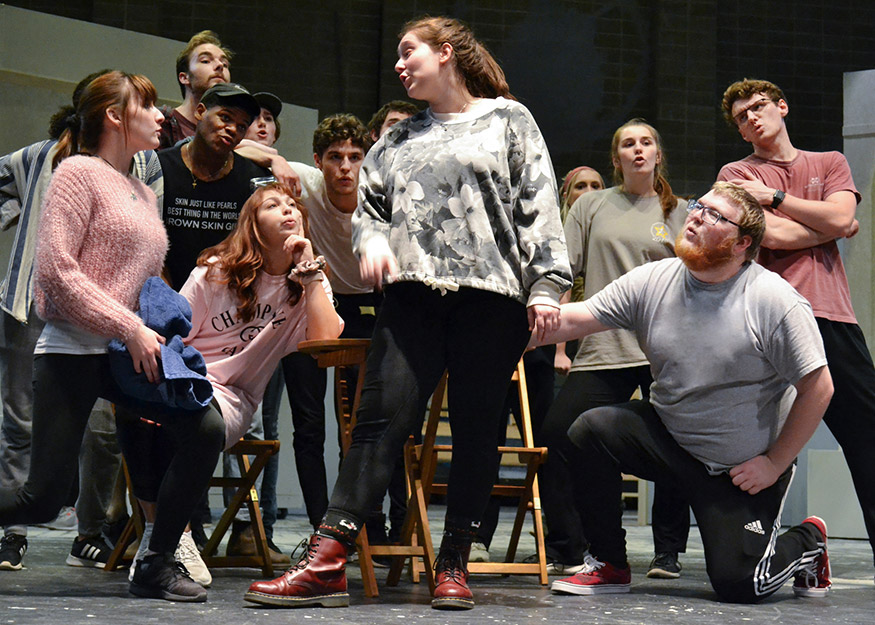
812, 580
596, 578
318, 579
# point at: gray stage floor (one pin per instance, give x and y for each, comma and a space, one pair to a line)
48, 591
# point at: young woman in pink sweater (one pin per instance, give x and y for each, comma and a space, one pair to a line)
100, 238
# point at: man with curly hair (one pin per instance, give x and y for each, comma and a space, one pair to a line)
810, 201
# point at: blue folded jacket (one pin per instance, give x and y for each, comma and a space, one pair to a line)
182, 383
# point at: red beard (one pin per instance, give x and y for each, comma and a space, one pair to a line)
698, 258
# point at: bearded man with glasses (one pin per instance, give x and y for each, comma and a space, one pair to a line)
740, 385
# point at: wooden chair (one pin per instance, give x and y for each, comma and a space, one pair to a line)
134, 525
416, 544
341, 354
245, 495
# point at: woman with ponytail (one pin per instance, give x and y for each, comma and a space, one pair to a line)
458, 218
100, 237
609, 233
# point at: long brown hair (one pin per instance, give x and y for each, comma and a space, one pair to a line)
236, 260
667, 199
478, 69
85, 126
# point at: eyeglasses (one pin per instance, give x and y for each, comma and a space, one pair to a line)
756, 108
709, 215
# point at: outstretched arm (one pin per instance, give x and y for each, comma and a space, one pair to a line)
576, 321
813, 393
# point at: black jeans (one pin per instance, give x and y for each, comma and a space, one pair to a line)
566, 465
65, 389
745, 557
850, 415
305, 383
476, 335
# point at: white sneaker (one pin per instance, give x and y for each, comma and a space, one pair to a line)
479, 553
188, 555
141, 550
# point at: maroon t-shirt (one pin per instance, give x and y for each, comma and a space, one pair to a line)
816, 272
174, 128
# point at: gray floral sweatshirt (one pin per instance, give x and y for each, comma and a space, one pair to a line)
467, 200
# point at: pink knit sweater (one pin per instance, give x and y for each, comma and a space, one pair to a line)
100, 237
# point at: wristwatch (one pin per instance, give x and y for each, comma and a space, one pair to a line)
778, 198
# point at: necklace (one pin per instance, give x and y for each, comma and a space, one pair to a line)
134, 196
210, 176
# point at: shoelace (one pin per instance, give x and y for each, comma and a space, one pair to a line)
308, 550
590, 564
180, 568
186, 551
450, 564
808, 574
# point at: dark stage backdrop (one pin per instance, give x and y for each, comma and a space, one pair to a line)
582, 67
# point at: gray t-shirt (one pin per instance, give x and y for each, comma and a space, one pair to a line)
724, 357
609, 233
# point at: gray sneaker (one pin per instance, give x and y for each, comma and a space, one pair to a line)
160, 576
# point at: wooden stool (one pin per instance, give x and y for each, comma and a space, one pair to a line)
421, 462
341, 354
245, 495
134, 525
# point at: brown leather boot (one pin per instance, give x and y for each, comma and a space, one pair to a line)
319, 578
242, 543
451, 578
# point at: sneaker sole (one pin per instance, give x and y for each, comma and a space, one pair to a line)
452, 603
158, 593
8, 566
84, 562
600, 589
810, 592
658, 573
337, 600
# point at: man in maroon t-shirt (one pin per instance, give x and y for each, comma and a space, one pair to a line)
811, 199
203, 63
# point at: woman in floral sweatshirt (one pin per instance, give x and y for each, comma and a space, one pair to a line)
459, 218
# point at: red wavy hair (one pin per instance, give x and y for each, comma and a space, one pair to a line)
236, 260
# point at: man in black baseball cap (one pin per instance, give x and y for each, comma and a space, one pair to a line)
205, 182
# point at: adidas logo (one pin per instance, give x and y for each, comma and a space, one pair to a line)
755, 526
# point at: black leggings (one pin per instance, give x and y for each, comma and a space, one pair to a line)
565, 466
476, 335
65, 388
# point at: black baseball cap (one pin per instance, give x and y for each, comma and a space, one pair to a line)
231, 94
269, 101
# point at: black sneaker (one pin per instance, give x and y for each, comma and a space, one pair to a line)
665, 566
12, 550
160, 576
89, 552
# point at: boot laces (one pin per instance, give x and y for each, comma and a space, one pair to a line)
450, 563
307, 549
